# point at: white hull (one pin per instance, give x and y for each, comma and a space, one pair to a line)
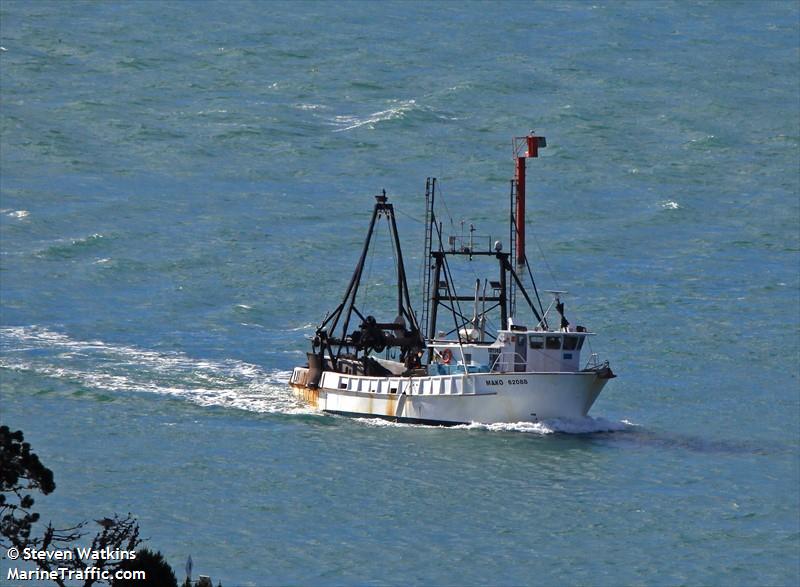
454, 399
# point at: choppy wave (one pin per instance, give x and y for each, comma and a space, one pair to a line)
70, 248
400, 109
119, 368
304, 106
15, 213
306, 326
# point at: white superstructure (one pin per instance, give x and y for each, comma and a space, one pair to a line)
522, 376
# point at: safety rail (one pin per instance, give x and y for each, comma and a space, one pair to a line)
593, 362
514, 356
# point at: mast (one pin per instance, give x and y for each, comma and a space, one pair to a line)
526, 147
430, 194
438, 287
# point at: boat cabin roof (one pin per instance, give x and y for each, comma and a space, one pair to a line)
501, 336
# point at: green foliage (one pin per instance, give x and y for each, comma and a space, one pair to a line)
20, 471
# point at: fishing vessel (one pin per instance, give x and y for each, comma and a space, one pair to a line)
448, 366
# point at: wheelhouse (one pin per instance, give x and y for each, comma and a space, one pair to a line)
519, 351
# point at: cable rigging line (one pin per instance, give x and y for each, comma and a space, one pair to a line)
365, 296
544, 259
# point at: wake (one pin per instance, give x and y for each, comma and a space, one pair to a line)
119, 368
227, 383
587, 425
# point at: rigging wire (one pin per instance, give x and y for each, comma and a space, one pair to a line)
541, 252
394, 251
450, 285
444, 203
448, 274
490, 324
365, 296
407, 215
424, 259
535, 290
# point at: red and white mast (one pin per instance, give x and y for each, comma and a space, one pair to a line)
524, 148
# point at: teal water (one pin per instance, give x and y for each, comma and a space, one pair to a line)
184, 189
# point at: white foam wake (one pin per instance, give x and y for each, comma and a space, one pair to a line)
120, 368
587, 425
351, 122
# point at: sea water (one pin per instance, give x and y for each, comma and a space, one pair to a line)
185, 192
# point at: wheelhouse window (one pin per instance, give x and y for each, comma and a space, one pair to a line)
570, 342
553, 342
580, 341
536, 341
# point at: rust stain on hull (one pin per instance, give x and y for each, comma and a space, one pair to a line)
306, 394
391, 406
